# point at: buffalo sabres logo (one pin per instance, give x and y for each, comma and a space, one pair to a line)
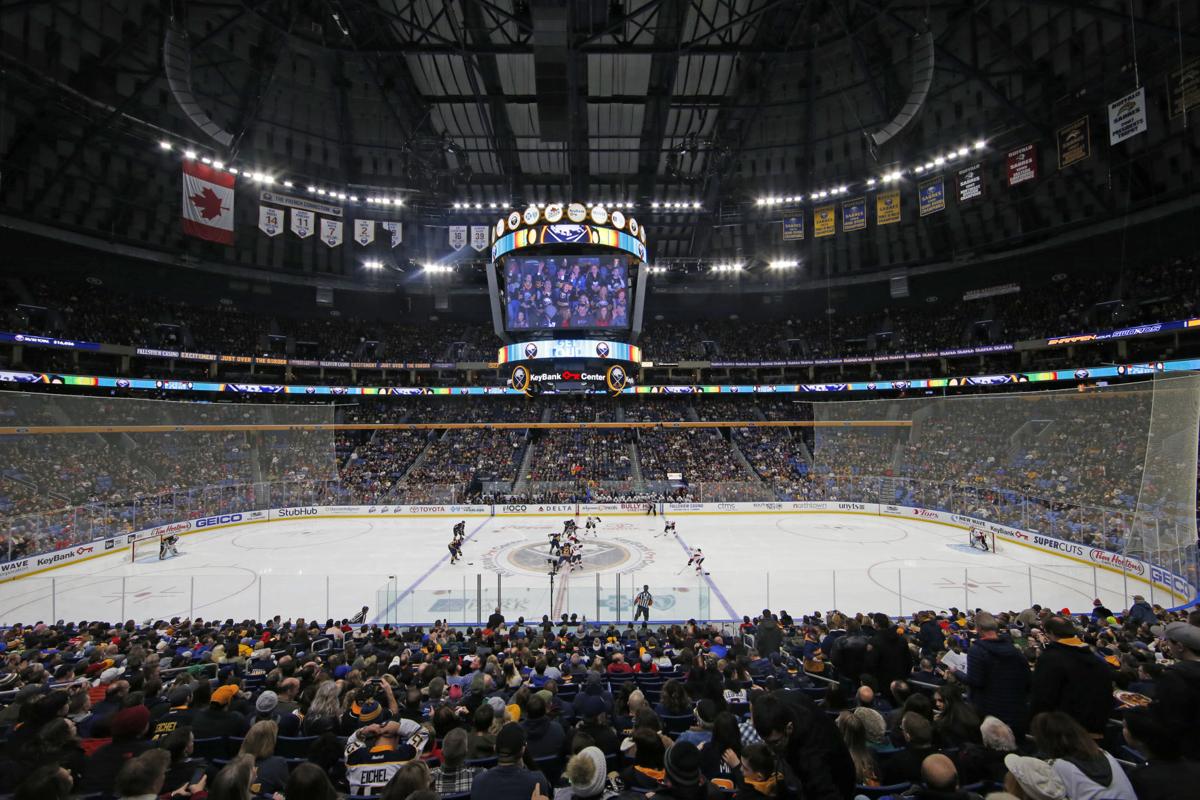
616, 378
566, 233
531, 350
602, 349
520, 379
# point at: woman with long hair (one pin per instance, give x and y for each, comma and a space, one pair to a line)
674, 702
260, 745
309, 782
324, 712
854, 734
1088, 772
720, 756
233, 782
955, 722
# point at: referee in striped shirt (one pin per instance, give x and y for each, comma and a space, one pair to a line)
642, 602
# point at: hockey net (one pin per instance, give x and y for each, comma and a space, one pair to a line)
145, 549
989, 539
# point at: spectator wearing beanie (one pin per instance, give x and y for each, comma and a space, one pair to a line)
586, 774
509, 779
128, 728
683, 780
375, 753
1069, 677
218, 719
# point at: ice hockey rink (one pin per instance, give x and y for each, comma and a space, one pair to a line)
399, 567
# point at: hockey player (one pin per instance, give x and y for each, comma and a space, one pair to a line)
565, 555
460, 529
668, 529
167, 546
555, 542
979, 539
591, 524
570, 526
697, 561
455, 547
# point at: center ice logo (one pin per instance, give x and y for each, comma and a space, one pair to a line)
599, 555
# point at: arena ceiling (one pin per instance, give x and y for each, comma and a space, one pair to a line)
712, 103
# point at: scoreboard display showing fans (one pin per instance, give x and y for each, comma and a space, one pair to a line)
566, 292
566, 288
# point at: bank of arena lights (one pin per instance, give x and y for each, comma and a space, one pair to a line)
727, 268
373, 264
784, 264
268, 179
437, 269
937, 160
674, 206
656, 270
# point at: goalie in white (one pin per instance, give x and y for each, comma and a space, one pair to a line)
979, 540
167, 546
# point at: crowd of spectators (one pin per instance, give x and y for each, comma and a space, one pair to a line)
942, 705
582, 456
700, 454
1074, 303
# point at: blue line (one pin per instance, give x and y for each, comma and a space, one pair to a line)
732, 614
412, 587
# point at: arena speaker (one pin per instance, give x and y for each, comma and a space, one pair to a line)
177, 64
922, 80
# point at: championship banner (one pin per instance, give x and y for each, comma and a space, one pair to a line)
207, 211
793, 229
395, 229
331, 232
270, 220
970, 183
887, 207
824, 221
1074, 142
458, 236
364, 231
1183, 88
479, 237
931, 195
1127, 116
854, 214
1022, 164
303, 223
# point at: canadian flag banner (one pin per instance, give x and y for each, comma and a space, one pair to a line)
394, 228
207, 203
364, 231
331, 232
303, 223
270, 220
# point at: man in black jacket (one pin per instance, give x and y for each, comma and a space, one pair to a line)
1070, 678
817, 765
1177, 704
849, 653
888, 656
997, 674
769, 636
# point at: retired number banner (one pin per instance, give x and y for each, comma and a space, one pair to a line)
331, 232
395, 229
270, 220
303, 223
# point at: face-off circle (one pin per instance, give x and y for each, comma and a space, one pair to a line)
524, 557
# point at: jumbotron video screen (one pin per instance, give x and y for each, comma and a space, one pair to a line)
563, 292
